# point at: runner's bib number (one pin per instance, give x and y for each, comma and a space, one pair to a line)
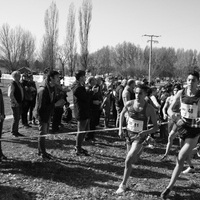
189, 111
135, 125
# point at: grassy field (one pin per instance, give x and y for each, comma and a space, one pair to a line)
24, 176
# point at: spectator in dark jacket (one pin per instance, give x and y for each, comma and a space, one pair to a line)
16, 95
45, 103
95, 104
26, 103
58, 111
2, 116
33, 89
81, 110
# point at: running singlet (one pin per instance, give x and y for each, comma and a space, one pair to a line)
189, 109
136, 121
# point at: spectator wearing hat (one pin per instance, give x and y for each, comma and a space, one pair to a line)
16, 95
81, 101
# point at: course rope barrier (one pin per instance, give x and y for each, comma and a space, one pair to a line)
10, 139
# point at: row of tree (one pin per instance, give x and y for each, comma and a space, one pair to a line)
19, 46
129, 60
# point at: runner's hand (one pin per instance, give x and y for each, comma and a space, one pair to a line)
175, 116
121, 133
165, 116
142, 134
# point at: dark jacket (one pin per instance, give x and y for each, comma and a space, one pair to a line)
17, 93
27, 90
2, 109
118, 96
93, 97
45, 102
81, 101
33, 89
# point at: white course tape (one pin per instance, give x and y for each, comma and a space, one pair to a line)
67, 133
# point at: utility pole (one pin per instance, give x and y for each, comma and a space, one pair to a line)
150, 53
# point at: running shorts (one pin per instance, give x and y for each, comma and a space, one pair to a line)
186, 131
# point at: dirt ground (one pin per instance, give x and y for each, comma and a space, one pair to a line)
25, 176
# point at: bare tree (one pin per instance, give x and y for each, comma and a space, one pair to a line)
70, 43
62, 57
51, 34
16, 46
28, 46
85, 17
43, 54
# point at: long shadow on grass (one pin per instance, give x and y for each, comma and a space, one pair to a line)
151, 163
9, 192
51, 143
181, 193
73, 175
160, 151
187, 192
111, 167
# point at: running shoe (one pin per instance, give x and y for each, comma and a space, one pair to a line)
81, 151
189, 170
165, 193
121, 189
45, 156
18, 134
164, 158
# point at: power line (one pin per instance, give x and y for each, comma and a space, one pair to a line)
150, 53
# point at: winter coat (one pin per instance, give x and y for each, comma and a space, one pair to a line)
81, 101
45, 102
118, 96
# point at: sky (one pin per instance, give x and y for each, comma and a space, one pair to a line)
115, 21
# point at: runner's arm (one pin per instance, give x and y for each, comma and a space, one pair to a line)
164, 110
176, 97
152, 114
121, 120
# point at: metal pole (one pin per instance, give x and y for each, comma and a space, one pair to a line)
150, 53
150, 58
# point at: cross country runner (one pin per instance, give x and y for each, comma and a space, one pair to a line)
138, 112
188, 126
